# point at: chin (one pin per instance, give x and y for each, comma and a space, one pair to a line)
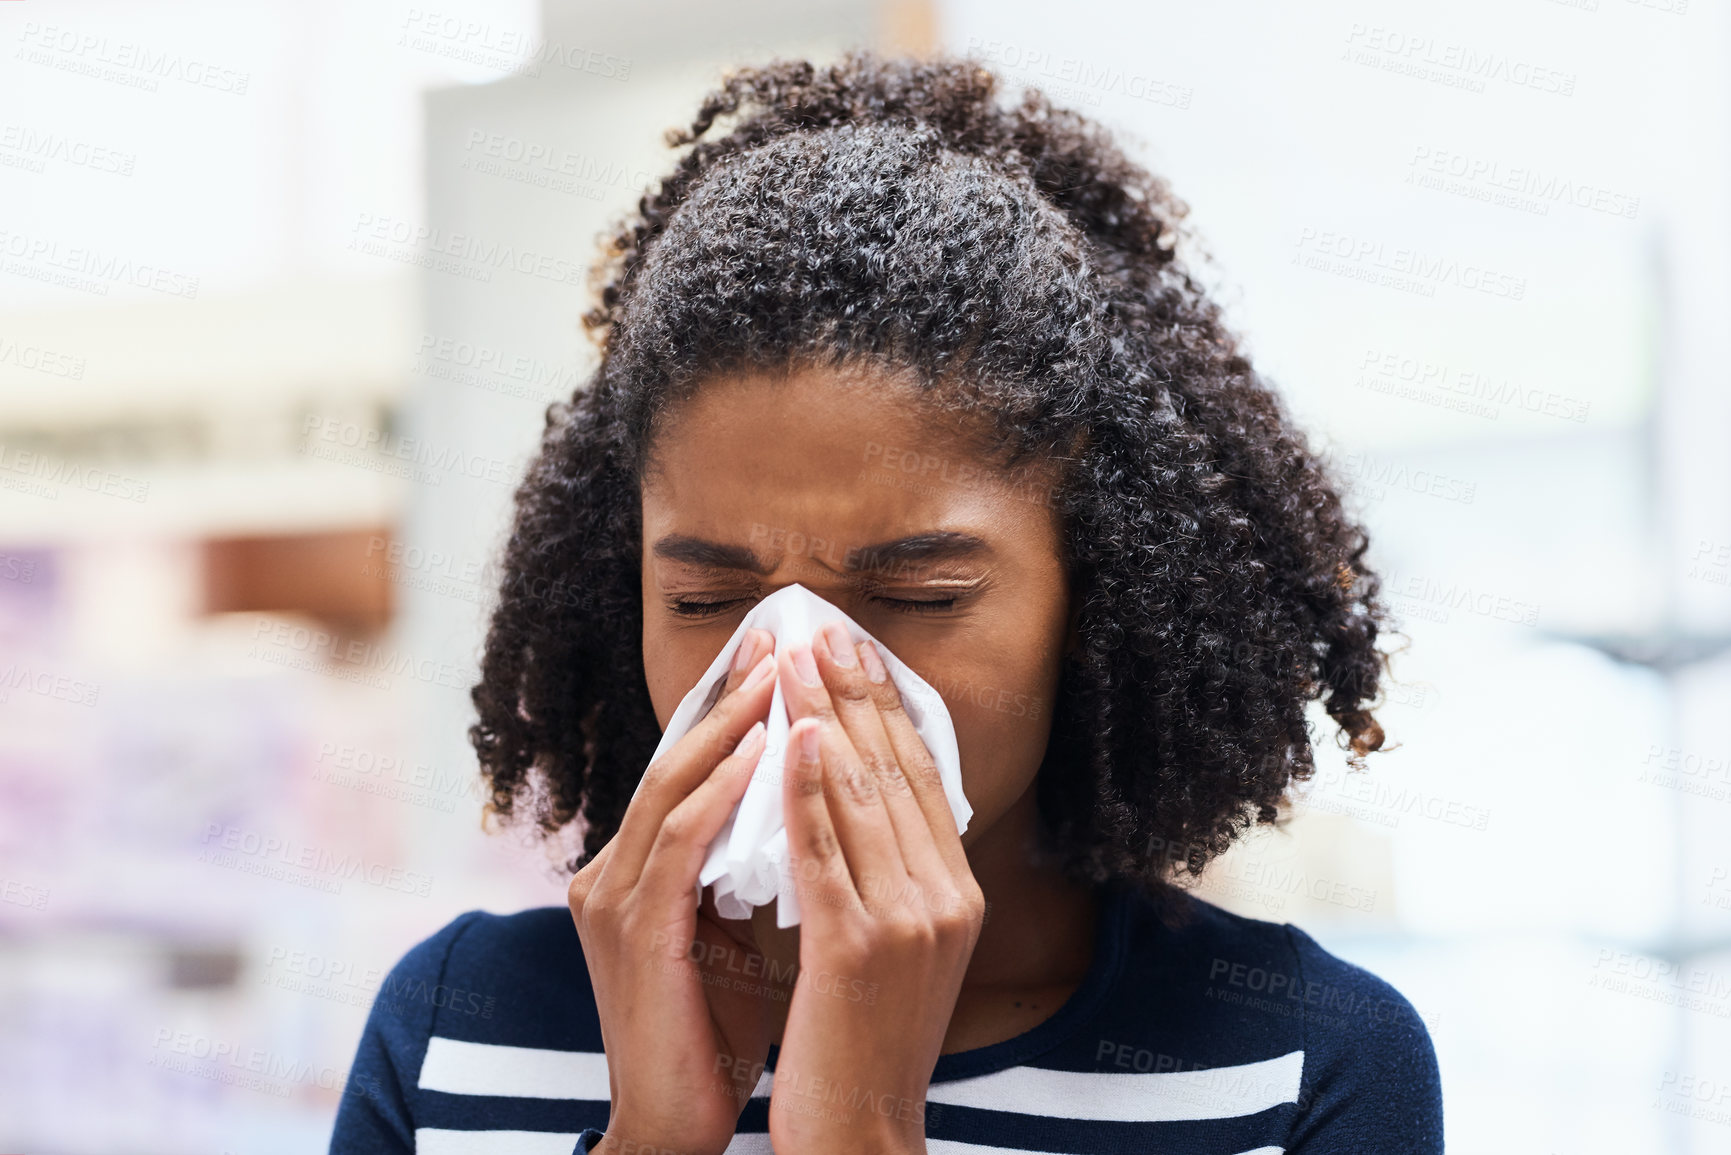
777, 943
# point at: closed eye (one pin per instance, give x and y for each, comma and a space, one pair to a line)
689, 608
693, 609
917, 605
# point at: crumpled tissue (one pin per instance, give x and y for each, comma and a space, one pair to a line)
747, 861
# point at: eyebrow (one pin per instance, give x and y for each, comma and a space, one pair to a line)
939, 545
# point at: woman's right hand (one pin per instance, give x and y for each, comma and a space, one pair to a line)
675, 1048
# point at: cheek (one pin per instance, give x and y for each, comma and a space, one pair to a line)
1002, 723
673, 660
657, 673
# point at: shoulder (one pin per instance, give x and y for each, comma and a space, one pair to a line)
517, 979
478, 942
1369, 1057
1342, 993
528, 942
1242, 989
493, 980
1206, 953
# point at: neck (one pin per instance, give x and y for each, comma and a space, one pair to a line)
1034, 948
1039, 926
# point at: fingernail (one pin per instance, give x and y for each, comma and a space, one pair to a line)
762, 670
840, 645
747, 651
808, 744
805, 667
748, 744
874, 665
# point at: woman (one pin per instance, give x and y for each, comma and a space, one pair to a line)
937, 360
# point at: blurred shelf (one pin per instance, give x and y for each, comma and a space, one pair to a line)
226, 500
246, 351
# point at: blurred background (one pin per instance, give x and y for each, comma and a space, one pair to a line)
285, 288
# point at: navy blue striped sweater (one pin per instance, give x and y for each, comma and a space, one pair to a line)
1224, 1036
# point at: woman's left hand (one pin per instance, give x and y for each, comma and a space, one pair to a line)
889, 909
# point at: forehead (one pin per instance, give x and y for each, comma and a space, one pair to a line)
859, 446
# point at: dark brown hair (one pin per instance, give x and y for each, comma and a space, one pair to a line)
1010, 259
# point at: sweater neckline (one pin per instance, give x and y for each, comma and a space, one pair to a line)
1084, 1001
1109, 938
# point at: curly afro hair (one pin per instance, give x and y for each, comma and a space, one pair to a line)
1009, 259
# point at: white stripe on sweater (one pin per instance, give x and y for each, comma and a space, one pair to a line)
461, 1068
434, 1141
1156, 1097
520, 1072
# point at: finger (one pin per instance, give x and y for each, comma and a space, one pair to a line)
583, 882
752, 647
676, 856
820, 874
917, 764
674, 775
852, 695
856, 807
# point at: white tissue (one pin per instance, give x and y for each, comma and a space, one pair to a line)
747, 862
